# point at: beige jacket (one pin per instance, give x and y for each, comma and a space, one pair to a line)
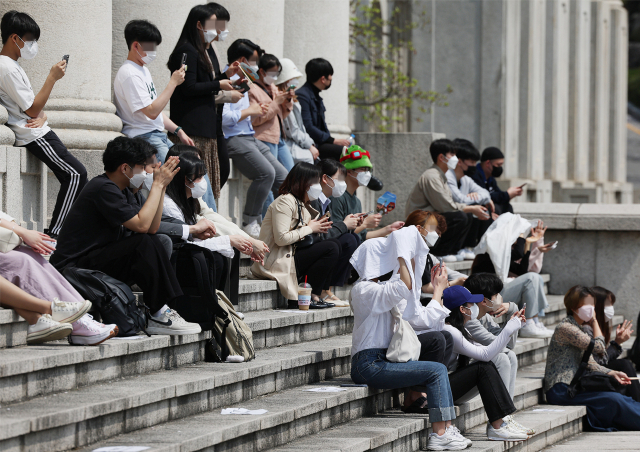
279, 232
432, 193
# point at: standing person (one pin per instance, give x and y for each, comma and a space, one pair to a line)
251, 156
606, 411
27, 120
193, 103
489, 168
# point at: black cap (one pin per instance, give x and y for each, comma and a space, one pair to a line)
491, 153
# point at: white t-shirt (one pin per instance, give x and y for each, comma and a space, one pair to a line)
17, 96
134, 90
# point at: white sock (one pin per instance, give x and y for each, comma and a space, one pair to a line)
162, 309
530, 321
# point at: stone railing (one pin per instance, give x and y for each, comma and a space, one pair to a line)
598, 245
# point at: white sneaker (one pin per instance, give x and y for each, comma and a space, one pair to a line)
448, 441
46, 329
456, 432
466, 254
519, 426
253, 229
506, 432
531, 330
541, 326
87, 331
68, 311
170, 322
450, 258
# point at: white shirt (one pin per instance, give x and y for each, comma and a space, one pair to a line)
372, 303
17, 96
467, 185
134, 90
221, 244
479, 352
429, 318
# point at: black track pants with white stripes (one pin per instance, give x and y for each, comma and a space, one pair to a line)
71, 174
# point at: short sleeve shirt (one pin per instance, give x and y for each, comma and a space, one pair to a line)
134, 90
16, 95
95, 220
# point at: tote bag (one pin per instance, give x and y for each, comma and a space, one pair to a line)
404, 345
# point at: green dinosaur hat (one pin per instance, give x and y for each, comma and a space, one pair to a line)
355, 157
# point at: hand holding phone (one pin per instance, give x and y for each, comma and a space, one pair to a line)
65, 58
184, 61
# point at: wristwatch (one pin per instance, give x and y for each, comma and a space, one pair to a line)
178, 129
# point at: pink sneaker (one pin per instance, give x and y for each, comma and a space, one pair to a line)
87, 331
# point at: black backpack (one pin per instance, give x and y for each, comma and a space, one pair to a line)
113, 299
194, 265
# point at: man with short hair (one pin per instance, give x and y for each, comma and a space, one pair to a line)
20, 34
92, 236
487, 170
432, 193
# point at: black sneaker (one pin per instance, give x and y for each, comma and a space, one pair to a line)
318, 305
329, 305
375, 184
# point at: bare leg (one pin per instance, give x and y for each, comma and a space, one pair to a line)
16, 298
439, 427
497, 424
30, 316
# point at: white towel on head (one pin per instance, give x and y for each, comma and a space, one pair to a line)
377, 257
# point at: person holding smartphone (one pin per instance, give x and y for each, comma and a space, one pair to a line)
490, 167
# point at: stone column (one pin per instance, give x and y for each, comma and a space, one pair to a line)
511, 92
618, 111
601, 64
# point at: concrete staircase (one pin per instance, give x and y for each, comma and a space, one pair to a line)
158, 392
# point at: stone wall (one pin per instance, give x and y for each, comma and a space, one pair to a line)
597, 245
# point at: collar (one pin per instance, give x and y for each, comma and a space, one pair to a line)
324, 202
480, 171
314, 89
442, 173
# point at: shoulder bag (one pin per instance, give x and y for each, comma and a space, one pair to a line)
307, 240
587, 381
405, 345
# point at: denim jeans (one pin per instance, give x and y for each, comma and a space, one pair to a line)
159, 140
372, 368
282, 153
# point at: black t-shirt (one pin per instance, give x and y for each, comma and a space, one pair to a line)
426, 276
95, 220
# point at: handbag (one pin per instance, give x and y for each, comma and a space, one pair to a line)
584, 381
405, 345
8, 240
307, 240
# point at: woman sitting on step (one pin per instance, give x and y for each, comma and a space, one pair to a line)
34, 289
374, 304
481, 376
606, 410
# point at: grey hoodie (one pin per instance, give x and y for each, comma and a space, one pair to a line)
485, 330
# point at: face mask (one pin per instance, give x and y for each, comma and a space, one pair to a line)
431, 238
327, 86
495, 304
209, 35
339, 187
151, 55
474, 311
148, 181
29, 50
471, 171
137, 180
497, 171
269, 79
363, 178
452, 163
199, 188
314, 192
585, 313
255, 68
608, 312
223, 35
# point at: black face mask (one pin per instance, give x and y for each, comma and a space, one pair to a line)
497, 171
471, 171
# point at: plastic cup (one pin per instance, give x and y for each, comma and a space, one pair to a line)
304, 296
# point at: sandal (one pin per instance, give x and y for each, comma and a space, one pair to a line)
416, 407
335, 301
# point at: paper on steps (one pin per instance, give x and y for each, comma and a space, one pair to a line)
326, 389
242, 411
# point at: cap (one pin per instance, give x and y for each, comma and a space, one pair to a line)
289, 71
355, 157
456, 296
491, 153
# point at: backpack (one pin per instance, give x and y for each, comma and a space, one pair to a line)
113, 299
238, 336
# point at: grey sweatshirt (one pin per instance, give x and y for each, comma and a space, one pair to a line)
485, 330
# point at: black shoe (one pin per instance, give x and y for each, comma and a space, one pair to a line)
329, 305
318, 305
375, 184
292, 304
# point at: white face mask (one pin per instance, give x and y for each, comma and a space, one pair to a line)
431, 238
30, 49
608, 312
223, 35
474, 311
137, 180
269, 78
314, 192
151, 55
495, 304
363, 178
585, 313
339, 187
199, 188
209, 35
452, 162
148, 181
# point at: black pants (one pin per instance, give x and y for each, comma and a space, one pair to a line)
223, 158
495, 397
458, 225
317, 263
476, 231
348, 244
71, 174
330, 151
626, 366
503, 208
436, 346
139, 259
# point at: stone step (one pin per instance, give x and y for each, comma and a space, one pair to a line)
13, 329
36, 370
601, 441
93, 413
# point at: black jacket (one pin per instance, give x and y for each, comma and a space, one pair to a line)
497, 196
313, 114
337, 228
193, 104
219, 76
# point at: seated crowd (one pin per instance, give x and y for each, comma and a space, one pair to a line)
302, 222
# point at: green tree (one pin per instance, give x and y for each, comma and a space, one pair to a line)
384, 91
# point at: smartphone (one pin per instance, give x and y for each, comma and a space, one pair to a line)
555, 245
184, 61
328, 214
440, 259
524, 307
66, 58
522, 186
291, 88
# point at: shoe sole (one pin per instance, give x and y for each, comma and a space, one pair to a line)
497, 438
456, 446
85, 308
84, 340
52, 334
171, 331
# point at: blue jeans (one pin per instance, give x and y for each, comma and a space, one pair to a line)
160, 141
282, 153
372, 368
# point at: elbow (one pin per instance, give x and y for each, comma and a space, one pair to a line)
153, 230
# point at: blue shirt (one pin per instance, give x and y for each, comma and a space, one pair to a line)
231, 124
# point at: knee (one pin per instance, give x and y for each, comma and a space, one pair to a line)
332, 250
267, 173
352, 242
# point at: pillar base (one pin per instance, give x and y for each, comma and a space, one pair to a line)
545, 191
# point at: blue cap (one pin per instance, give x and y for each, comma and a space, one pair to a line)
456, 296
